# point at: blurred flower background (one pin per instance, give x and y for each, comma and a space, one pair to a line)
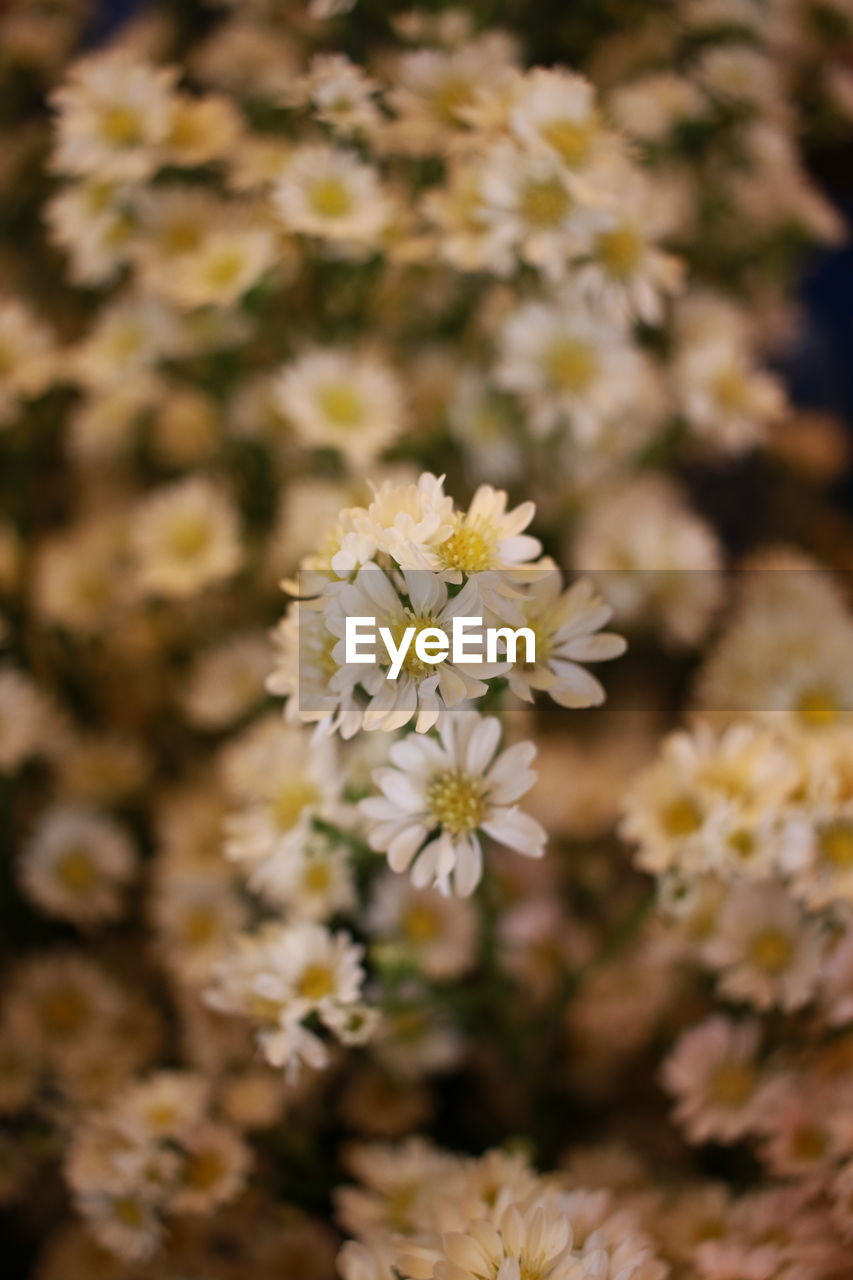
526, 970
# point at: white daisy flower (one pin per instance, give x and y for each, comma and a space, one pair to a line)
420, 690
281, 975
565, 361
330, 193
440, 795
184, 538
77, 865
345, 400
567, 630
113, 116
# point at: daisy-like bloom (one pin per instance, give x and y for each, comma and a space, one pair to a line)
405, 521
162, 1107
555, 109
183, 539
435, 933
113, 116
27, 357
345, 400
420, 691
566, 362
78, 580
652, 107
720, 1092
102, 426
395, 1184
724, 397
27, 721
227, 682
440, 96
289, 781
468, 235
224, 267
540, 206
801, 1140
785, 653
283, 974
628, 274
342, 95
92, 222
125, 1222
566, 625
523, 1241
213, 1170
439, 796
735, 73
713, 802
61, 1005
331, 194
836, 981
200, 130
655, 561
767, 952
77, 866
311, 879
129, 337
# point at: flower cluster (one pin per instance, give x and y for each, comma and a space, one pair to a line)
428, 316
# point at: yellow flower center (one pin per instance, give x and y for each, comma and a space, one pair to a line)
421, 924
316, 982
809, 1144
122, 126
330, 198
730, 390
203, 1170
129, 1212
224, 268
317, 877
180, 237
411, 662
572, 139
620, 250
341, 405
470, 548
451, 97
817, 708
545, 204
681, 817
189, 536
571, 365
455, 802
742, 843
76, 871
291, 799
199, 926
62, 1011
772, 950
732, 1084
836, 844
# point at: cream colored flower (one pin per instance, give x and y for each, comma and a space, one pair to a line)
437, 797
77, 866
332, 195
183, 539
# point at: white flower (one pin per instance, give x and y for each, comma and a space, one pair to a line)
184, 538
283, 973
420, 690
440, 795
345, 400
331, 194
566, 626
113, 116
77, 865
767, 951
556, 110
565, 361
406, 521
